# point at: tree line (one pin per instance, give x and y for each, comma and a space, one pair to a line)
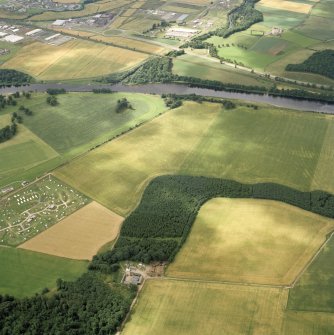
158, 227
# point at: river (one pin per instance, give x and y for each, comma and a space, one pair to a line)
301, 105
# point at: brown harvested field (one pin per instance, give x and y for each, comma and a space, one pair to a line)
80, 235
287, 5
250, 241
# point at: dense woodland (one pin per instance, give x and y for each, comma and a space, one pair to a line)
13, 78
86, 306
321, 62
157, 228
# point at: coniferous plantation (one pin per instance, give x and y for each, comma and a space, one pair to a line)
158, 227
321, 62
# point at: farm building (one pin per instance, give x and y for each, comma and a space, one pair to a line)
13, 38
180, 32
182, 19
59, 23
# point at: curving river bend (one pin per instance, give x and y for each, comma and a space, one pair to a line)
302, 105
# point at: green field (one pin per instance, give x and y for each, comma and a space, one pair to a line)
267, 144
24, 273
193, 66
253, 241
176, 307
314, 291
36, 207
22, 152
54, 134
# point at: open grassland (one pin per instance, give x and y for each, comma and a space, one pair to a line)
248, 145
324, 8
253, 51
314, 291
80, 235
138, 24
116, 173
73, 60
253, 241
23, 151
95, 119
319, 23
196, 67
24, 273
177, 307
90, 9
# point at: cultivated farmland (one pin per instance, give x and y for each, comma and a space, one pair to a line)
127, 164
24, 272
254, 241
72, 60
80, 235
203, 139
168, 307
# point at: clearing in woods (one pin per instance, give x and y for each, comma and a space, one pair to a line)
169, 307
80, 235
251, 241
73, 60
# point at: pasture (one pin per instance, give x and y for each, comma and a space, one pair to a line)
47, 139
24, 273
73, 60
78, 236
201, 68
94, 116
168, 307
36, 207
264, 145
252, 241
